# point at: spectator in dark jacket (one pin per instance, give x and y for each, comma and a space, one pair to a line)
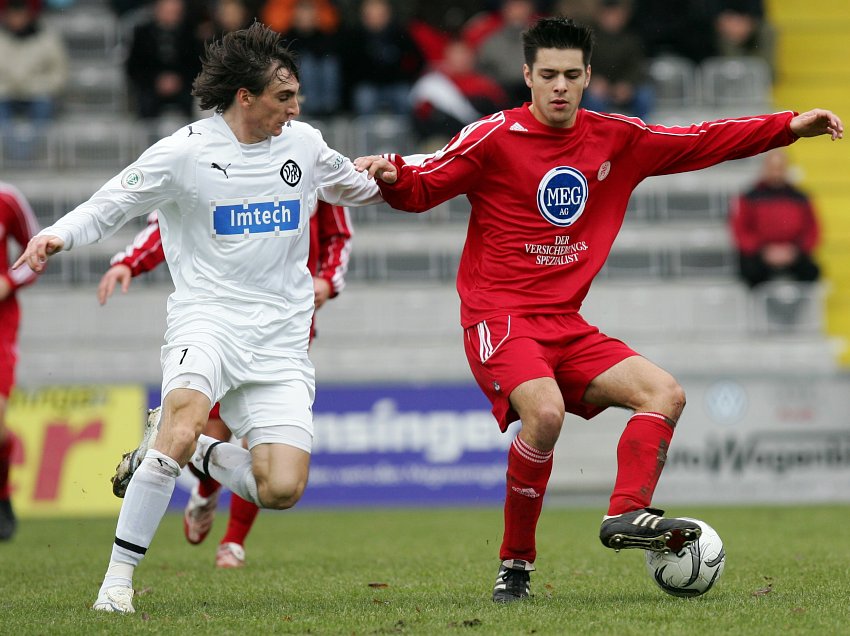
318, 59
618, 81
163, 61
380, 61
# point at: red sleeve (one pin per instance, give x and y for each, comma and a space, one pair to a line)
445, 174
333, 226
145, 252
744, 236
670, 149
21, 225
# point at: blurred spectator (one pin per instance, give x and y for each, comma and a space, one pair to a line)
35, 6
163, 60
312, 37
742, 30
380, 61
225, 16
33, 72
582, 11
774, 227
452, 95
17, 226
618, 79
281, 15
500, 53
448, 16
684, 29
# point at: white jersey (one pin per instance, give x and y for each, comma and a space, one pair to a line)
235, 227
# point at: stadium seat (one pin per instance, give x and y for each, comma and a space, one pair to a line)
374, 134
784, 307
89, 33
96, 88
735, 81
675, 82
26, 147
108, 145
715, 310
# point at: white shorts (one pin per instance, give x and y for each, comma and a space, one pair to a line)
265, 398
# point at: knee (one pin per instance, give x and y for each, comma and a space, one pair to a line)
281, 494
671, 396
542, 427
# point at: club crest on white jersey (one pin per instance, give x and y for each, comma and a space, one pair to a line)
562, 195
255, 218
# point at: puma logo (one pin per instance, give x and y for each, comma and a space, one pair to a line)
218, 167
192, 132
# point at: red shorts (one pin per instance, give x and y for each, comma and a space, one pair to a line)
214, 414
505, 351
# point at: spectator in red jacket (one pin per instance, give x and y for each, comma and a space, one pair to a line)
453, 95
775, 228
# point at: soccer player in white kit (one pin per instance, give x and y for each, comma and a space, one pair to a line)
234, 194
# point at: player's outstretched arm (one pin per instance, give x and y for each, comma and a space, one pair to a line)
38, 250
119, 274
817, 122
376, 167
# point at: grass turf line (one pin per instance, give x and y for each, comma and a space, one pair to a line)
429, 572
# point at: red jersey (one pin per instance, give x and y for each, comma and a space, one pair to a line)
547, 203
330, 246
768, 214
17, 223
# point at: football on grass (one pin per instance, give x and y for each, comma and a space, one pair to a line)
694, 569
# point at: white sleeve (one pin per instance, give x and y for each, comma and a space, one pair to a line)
155, 178
338, 183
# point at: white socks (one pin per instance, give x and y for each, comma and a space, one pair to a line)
144, 505
230, 465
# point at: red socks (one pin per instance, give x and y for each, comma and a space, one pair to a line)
6, 446
242, 515
641, 454
527, 477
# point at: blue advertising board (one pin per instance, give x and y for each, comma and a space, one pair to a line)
403, 445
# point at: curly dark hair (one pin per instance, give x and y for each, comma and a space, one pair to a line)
557, 33
247, 58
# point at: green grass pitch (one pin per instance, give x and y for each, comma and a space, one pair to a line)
429, 571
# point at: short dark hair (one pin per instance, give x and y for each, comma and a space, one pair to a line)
557, 33
247, 58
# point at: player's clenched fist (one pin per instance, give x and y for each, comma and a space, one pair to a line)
38, 250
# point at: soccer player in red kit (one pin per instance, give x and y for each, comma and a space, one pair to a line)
548, 184
330, 246
17, 223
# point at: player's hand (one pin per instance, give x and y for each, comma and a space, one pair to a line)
37, 252
321, 291
117, 274
376, 167
818, 122
780, 254
5, 288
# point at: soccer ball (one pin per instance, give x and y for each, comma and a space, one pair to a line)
694, 569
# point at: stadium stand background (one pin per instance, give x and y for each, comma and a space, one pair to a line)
668, 287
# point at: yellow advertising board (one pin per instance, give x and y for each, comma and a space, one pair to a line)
70, 440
